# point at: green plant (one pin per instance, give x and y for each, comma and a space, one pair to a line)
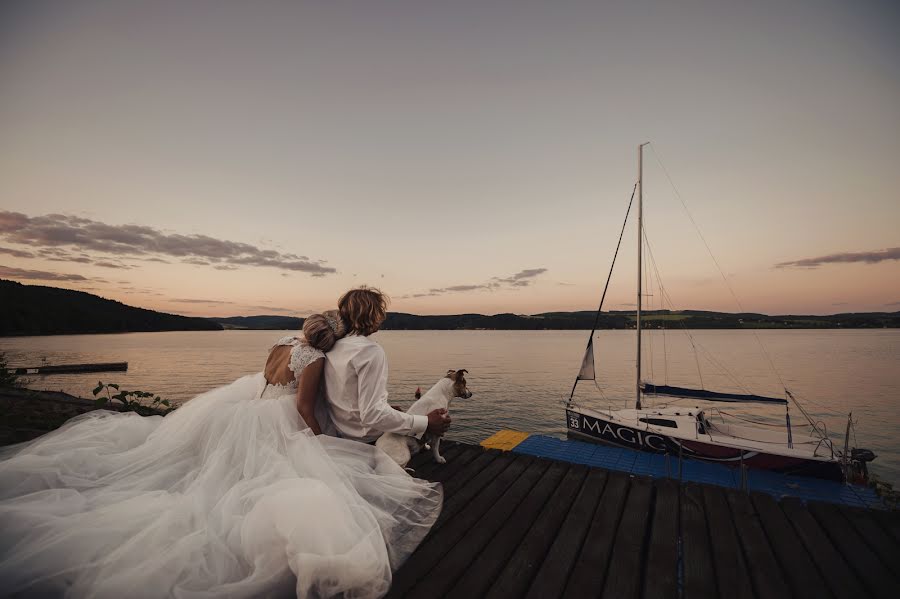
9, 378
131, 400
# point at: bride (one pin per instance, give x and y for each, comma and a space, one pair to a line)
232, 495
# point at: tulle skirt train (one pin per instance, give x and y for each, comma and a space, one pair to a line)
227, 496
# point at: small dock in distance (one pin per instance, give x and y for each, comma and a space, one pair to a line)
517, 525
70, 368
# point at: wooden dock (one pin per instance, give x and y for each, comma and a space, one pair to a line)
518, 526
71, 368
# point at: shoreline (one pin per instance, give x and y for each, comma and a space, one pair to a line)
26, 414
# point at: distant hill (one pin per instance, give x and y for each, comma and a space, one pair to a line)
38, 310
654, 319
271, 323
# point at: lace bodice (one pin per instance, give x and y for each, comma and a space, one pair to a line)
302, 355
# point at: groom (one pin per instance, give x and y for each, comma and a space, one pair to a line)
356, 375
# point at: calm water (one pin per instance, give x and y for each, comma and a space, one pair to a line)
520, 378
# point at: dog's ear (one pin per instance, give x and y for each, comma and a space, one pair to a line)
462, 371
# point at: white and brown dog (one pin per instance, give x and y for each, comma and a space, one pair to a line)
400, 447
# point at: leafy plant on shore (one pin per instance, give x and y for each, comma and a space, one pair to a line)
133, 401
9, 378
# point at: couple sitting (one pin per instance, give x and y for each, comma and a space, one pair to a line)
228, 496
340, 375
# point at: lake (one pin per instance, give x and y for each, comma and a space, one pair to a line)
521, 378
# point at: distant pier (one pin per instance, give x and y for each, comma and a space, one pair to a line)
71, 368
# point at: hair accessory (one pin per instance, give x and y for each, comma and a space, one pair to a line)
333, 323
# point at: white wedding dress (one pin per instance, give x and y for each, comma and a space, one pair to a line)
228, 496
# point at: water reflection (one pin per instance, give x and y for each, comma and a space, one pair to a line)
520, 378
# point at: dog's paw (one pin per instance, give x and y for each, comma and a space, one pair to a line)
426, 447
440, 459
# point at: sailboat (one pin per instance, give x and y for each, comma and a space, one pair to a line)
692, 432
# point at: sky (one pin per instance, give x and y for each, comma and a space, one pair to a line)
219, 158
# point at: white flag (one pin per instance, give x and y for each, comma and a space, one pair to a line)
587, 364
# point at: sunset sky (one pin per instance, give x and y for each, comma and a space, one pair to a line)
222, 158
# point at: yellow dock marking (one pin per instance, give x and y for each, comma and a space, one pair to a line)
504, 440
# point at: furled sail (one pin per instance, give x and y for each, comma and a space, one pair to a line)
587, 363
651, 389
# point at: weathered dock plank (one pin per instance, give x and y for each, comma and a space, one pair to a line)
529, 553
699, 576
660, 570
624, 577
834, 569
732, 575
873, 574
483, 570
589, 573
875, 537
554, 572
768, 581
448, 531
447, 572
516, 525
798, 567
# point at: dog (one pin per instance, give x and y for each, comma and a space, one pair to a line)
400, 447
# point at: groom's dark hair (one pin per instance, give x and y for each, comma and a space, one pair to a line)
363, 310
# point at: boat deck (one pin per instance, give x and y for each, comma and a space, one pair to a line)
665, 466
517, 525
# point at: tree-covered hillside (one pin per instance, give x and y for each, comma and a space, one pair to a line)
38, 310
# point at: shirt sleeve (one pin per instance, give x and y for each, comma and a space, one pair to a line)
374, 411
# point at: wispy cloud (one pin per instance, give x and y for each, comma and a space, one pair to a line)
893, 304
16, 253
199, 301
57, 233
272, 309
523, 278
37, 275
872, 257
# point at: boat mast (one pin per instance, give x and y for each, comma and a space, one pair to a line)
640, 241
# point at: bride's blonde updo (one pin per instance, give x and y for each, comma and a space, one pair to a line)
323, 330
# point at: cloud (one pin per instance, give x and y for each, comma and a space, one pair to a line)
37, 275
893, 304
57, 233
199, 301
16, 253
523, 278
840, 303
111, 265
872, 257
271, 309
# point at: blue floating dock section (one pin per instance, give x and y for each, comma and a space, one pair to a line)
666, 466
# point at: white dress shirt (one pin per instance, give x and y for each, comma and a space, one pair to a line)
356, 375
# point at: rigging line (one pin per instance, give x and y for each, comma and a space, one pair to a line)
602, 394
606, 286
615, 255
697, 347
646, 268
716, 262
665, 297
